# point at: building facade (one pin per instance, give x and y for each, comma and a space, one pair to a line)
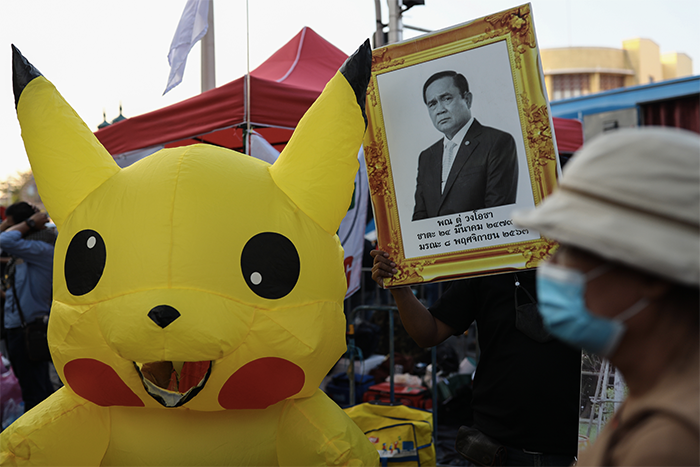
579, 71
674, 103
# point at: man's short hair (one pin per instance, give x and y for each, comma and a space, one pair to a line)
458, 78
20, 212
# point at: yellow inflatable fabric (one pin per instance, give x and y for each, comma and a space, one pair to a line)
197, 293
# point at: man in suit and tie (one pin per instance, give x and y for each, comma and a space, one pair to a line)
472, 166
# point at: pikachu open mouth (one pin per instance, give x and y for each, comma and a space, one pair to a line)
172, 384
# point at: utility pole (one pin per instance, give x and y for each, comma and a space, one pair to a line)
379, 34
208, 53
396, 26
395, 23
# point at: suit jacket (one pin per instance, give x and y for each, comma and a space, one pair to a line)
484, 174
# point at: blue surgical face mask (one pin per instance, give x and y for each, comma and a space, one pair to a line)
562, 304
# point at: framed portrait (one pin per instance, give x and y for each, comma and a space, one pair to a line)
459, 137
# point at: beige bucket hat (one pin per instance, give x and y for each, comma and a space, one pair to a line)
631, 196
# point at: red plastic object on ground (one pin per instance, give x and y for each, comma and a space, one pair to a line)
418, 397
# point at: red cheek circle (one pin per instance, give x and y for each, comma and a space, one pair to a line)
261, 383
99, 383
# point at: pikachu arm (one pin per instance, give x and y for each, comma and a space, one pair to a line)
315, 431
63, 430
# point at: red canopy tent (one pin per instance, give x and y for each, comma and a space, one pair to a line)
281, 90
569, 134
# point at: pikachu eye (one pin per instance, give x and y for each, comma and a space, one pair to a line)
270, 265
85, 262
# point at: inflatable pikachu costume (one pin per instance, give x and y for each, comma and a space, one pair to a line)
197, 293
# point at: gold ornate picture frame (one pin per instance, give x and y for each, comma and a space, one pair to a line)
498, 55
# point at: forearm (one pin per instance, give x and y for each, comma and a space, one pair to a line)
35, 222
22, 227
420, 324
5, 224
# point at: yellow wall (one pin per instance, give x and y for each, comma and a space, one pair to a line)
583, 58
639, 61
645, 57
676, 65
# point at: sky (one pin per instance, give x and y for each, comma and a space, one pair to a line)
101, 54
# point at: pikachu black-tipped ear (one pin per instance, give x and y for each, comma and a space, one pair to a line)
357, 71
68, 162
317, 168
22, 73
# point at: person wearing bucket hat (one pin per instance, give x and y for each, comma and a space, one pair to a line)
624, 283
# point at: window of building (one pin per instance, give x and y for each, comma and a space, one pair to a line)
573, 85
608, 81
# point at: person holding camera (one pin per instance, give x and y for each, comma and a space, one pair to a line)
28, 288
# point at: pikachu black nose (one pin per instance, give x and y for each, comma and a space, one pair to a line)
163, 315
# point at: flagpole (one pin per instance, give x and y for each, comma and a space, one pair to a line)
247, 77
208, 53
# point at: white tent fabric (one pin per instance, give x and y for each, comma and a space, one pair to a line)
128, 158
261, 149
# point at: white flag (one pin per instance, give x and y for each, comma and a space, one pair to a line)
192, 27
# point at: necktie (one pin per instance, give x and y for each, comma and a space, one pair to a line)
447, 160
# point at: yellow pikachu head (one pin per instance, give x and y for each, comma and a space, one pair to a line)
218, 271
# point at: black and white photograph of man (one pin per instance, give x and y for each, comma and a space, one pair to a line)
469, 98
472, 166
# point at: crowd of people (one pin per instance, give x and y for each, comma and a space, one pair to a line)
27, 245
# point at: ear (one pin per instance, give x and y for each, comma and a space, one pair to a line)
468, 98
68, 162
317, 168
